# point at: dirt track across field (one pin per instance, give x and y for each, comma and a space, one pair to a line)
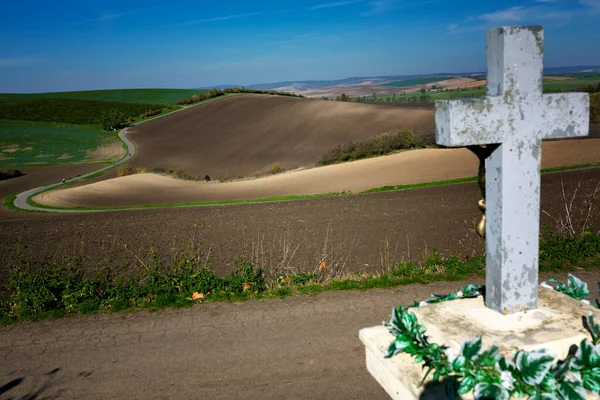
210, 140
410, 167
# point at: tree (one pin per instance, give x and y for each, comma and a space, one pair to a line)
112, 120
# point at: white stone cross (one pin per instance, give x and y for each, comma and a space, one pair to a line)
517, 115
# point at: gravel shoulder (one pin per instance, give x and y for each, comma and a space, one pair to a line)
298, 348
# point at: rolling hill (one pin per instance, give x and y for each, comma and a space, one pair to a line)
245, 135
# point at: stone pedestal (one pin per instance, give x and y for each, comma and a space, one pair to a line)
555, 325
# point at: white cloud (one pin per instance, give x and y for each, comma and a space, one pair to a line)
106, 17
380, 7
520, 15
335, 4
213, 19
512, 14
593, 5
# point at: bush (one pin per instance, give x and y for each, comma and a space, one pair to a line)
8, 173
595, 108
216, 93
61, 288
403, 139
125, 170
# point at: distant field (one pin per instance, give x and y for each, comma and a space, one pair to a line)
417, 81
571, 83
70, 111
160, 96
549, 86
40, 144
452, 94
581, 75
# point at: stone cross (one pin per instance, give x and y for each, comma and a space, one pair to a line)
515, 115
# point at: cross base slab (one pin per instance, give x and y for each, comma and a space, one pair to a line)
555, 325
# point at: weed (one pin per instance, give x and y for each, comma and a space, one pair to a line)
62, 289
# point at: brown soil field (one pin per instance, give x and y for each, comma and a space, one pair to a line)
466, 85
409, 167
246, 135
362, 89
354, 233
367, 89
454, 82
35, 177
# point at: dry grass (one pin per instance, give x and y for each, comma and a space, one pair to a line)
580, 212
106, 152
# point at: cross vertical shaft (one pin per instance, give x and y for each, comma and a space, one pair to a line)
516, 116
515, 70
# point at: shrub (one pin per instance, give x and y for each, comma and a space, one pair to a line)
150, 113
595, 108
125, 170
275, 169
8, 173
402, 139
68, 289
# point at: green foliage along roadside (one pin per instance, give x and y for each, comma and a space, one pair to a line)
70, 111
62, 288
402, 139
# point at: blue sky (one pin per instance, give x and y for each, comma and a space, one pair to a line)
79, 45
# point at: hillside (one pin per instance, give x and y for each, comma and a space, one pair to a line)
409, 167
246, 135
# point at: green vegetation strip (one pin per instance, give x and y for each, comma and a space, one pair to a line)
62, 289
160, 96
72, 111
417, 81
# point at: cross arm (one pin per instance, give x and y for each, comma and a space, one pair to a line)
466, 122
565, 115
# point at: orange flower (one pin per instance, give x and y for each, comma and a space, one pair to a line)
322, 266
197, 296
288, 279
246, 286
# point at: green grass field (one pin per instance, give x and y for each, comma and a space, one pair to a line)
571, 83
416, 81
41, 144
156, 96
549, 86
